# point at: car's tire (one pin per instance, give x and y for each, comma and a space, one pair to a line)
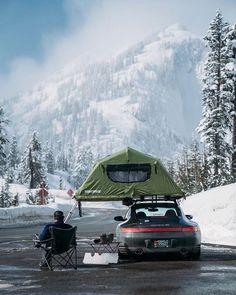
195, 255
124, 255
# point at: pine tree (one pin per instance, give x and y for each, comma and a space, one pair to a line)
205, 172
230, 87
49, 160
13, 157
32, 172
83, 165
2, 198
215, 121
71, 162
61, 162
5, 196
70, 157
195, 168
182, 171
171, 168
3, 141
31, 198
192, 170
61, 158
60, 183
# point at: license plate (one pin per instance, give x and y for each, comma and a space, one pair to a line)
161, 244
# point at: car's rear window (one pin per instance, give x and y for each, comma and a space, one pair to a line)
155, 212
129, 173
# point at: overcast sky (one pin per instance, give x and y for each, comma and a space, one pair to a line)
38, 37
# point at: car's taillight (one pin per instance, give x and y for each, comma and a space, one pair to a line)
159, 229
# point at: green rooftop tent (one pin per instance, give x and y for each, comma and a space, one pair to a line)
127, 173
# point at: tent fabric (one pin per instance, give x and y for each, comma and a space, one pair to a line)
99, 187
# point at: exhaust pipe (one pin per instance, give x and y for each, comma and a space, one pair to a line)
139, 251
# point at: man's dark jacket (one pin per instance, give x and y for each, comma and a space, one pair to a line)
45, 234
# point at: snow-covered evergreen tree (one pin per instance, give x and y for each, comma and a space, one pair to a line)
13, 157
11, 174
171, 168
70, 156
195, 168
62, 163
192, 170
230, 87
60, 183
49, 161
182, 171
3, 141
71, 162
13, 160
32, 171
5, 196
83, 165
31, 198
205, 175
61, 158
215, 121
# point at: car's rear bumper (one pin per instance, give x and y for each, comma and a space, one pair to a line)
145, 245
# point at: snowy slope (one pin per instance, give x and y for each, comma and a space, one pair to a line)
147, 97
215, 211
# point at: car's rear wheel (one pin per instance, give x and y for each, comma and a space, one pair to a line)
124, 253
124, 256
195, 255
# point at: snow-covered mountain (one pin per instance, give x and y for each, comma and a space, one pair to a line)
148, 97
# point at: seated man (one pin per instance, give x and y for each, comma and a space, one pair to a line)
45, 234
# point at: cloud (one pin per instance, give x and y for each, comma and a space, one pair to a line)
99, 28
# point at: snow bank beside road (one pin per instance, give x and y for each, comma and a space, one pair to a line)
24, 214
30, 214
215, 212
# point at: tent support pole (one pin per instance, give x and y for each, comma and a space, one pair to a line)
77, 203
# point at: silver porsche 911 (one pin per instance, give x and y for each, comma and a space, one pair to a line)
155, 227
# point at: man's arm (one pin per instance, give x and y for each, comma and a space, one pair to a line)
44, 233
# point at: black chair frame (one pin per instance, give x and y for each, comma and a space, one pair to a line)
60, 250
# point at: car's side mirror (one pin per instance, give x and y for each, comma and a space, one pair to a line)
119, 218
189, 216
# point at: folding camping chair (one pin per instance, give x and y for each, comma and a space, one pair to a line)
60, 249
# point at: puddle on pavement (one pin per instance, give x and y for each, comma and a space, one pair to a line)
16, 268
217, 268
19, 285
5, 285
219, 248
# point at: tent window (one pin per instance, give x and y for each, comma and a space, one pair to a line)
128, 173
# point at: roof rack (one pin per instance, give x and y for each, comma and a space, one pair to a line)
130, 201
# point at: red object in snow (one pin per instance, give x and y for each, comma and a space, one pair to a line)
70, 192
43, 194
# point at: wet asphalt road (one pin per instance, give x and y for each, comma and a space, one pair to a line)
215, 273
